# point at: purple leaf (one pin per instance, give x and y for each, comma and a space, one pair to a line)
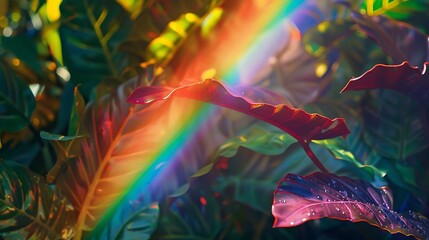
403, 78
299, 199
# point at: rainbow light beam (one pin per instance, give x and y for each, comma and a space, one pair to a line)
258, 41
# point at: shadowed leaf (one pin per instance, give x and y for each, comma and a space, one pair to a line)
30, 209
401, 41
90, 34
16, 101
300, 199
141, 225
194, 215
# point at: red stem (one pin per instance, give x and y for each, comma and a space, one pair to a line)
313, 157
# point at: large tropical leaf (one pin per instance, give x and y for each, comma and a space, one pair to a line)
178, 156
399, 40
194, 215
249, 166
162, 26
30, 209
404, 78
393, 126
16, 101
125, 141
340, 150
355, 149
299, 199
67, 147
301, 125
260, 138
91, 32
411, 12
141, 225
25, 48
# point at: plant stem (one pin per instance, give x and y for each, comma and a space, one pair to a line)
312, 156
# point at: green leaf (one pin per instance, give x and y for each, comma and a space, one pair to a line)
76, 115
24, 47
16, 101
141, 225
30, 209
367, 155
250, 177
124, 143
165, 21
393, 126
91, 32
67, 147
339, 149
134, 7
195, 215
412, 12
261, 138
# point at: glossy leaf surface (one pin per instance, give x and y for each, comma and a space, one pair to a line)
16, 101
259, 138
299, 199
340, 151
251, 174
30, 209
301, 125
403, 78
141, 225
90, 36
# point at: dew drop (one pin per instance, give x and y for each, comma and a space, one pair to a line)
292, 223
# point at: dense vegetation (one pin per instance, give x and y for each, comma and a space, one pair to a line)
111, 128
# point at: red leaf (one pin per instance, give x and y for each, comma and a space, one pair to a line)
403, 78
300, 199
298, 123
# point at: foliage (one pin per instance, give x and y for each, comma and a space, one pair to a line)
299, 199
88, 152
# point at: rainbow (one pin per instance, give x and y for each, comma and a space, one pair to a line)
257, 40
